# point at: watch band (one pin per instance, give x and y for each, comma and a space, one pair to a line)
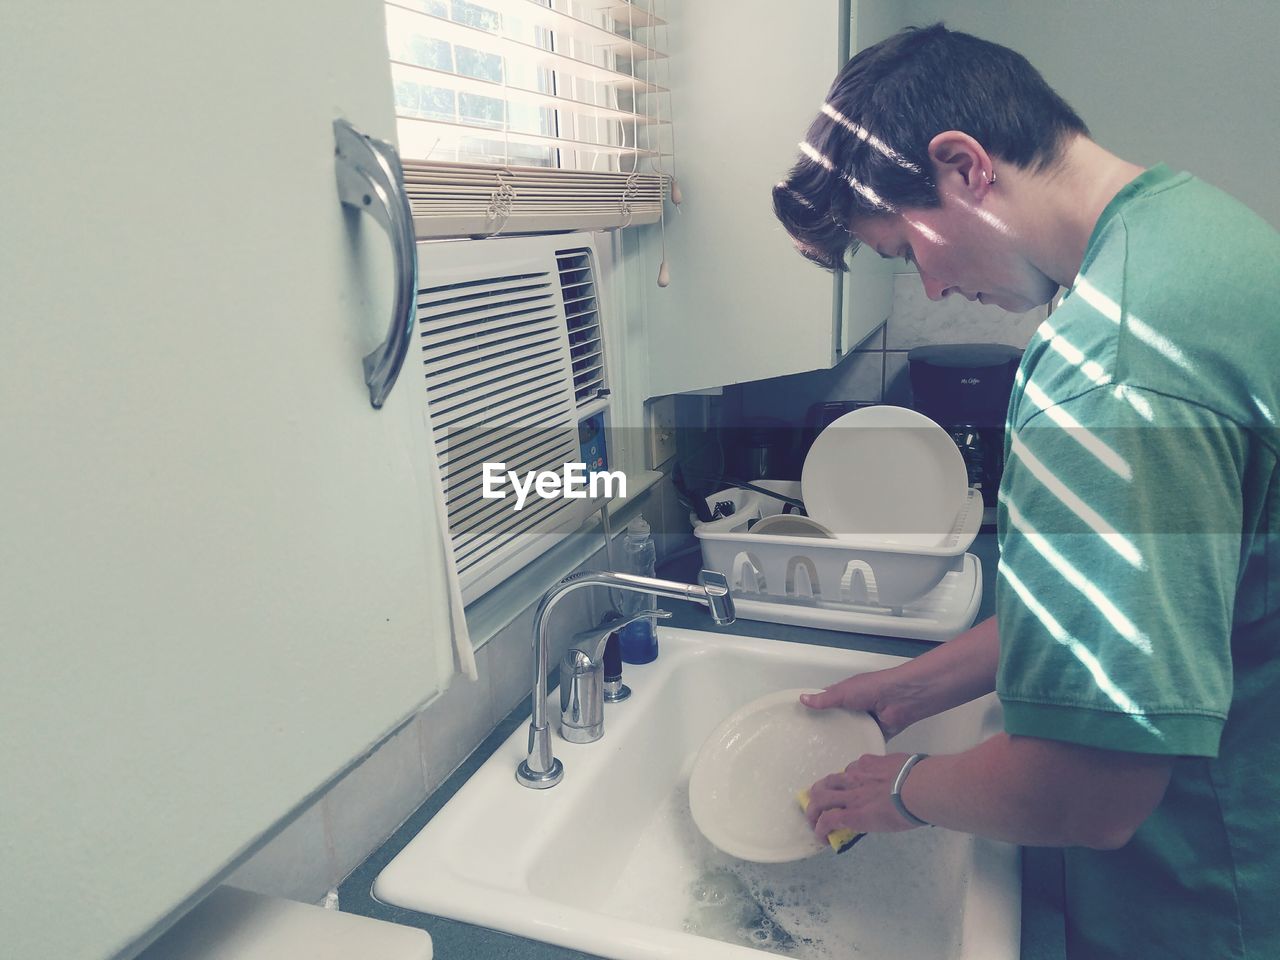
897, 791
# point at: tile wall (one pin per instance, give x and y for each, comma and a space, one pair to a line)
877, 369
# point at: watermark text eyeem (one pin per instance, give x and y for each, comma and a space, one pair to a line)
573, 482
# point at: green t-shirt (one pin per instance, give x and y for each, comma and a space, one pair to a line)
1138, 591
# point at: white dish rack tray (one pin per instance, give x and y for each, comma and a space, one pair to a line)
921, 592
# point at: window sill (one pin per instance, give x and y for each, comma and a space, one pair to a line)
489, 614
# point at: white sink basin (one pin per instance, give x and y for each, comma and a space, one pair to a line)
610, 862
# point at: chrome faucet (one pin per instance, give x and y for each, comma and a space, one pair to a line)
541, 769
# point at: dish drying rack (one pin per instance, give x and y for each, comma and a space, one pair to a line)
926, 592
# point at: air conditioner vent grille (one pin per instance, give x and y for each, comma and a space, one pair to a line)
582, 318
494, 355
512, 348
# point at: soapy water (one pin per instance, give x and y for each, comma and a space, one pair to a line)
891, 896
724, 908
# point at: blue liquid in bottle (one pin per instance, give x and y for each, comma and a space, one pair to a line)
639, 640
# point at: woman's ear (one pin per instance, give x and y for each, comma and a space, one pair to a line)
961, 163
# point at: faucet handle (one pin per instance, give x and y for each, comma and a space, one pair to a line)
582, 686
592, 641
657, 613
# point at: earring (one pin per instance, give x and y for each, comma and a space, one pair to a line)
991, 178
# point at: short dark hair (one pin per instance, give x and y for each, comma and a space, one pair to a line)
867, 153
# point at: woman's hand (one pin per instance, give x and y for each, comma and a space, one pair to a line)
859, 799
950, 674
869, 692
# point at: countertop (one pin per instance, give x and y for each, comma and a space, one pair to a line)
1042, 923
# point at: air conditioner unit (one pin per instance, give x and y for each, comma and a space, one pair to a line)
513, 354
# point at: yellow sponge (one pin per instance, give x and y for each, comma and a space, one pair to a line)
840, 840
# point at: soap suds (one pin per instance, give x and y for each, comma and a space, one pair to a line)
891, 896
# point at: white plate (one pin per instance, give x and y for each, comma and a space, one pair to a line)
885, 473
790, 525
742, 791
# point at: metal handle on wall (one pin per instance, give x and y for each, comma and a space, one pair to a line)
371, 179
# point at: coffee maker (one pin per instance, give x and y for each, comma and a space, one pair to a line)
965, 388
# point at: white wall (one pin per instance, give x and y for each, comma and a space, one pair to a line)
1188, 82
221, 573
742, 304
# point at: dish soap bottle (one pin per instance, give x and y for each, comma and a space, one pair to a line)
639, 640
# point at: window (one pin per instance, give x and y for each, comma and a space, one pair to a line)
528, 115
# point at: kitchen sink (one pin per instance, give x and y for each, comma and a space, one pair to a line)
610, 861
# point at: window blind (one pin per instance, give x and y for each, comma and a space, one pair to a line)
530, 115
